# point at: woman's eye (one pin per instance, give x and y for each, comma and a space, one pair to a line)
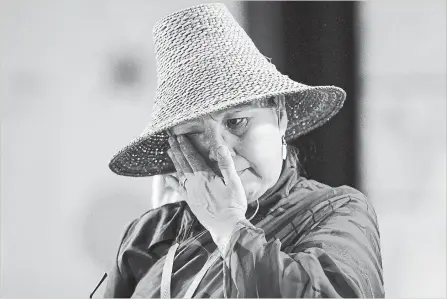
236, 123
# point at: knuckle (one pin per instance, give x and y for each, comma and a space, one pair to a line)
225, 164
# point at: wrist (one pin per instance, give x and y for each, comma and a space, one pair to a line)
231, 224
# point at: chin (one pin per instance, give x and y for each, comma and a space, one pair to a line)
254, 188
251, 198
251, 193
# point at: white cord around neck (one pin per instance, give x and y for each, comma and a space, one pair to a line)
257, 208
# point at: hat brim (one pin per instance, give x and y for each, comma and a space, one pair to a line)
308, 107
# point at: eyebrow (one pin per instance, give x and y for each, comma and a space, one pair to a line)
262, 103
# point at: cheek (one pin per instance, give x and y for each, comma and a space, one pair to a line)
262, 148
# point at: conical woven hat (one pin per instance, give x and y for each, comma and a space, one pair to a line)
205, 63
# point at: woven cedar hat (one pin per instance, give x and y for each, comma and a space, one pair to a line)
205, 63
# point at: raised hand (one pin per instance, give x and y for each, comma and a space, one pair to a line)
218, 203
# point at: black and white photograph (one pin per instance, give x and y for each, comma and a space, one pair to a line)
223, 149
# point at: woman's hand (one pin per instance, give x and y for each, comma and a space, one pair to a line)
218, 203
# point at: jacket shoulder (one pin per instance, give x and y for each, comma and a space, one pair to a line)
143, 234
324, 199
153, 226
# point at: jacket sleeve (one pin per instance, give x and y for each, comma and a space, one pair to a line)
338, 255
145, 240
118, 282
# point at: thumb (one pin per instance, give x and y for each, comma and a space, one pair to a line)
226, 165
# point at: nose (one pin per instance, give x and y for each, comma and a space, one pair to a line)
216, 137
213, 152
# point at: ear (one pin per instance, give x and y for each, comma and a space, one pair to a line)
283, 120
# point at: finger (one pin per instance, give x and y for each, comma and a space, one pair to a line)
193, 157
176, 164
226, 165
178, 154
173, 183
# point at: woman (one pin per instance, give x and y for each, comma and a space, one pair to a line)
248, 224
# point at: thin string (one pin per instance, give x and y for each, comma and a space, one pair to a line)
165, 287
199, 276
97, 286
207, 265
257, 209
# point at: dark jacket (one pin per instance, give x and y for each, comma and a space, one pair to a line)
318, 241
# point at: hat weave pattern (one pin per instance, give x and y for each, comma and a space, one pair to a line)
206, 63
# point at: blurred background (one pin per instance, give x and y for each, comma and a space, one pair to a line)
77, 83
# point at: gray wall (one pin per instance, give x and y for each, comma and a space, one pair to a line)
403, 132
